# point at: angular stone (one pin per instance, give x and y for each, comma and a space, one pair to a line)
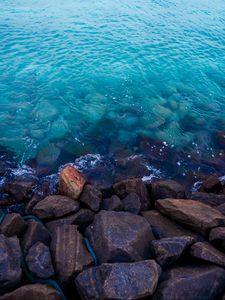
13, 224
120, 237
113, 203
221, 208
166, 189
35, 232
168, 250
39, 261
207, 252
33, 292
91, 197
208, 198
55, 206
194, 214
217, 236
163, 227
132, 203
82, 218
193, 282
70, 255
71, 182
124, 281
125, 187
10, 260
212, 184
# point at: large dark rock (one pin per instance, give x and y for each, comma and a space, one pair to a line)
33, 292
217, 235
13, 224
194, 214
55, 206
71, 182
166, 189
35, 232
132, 203
133, 185
113, 203
194, 282
39, 261
207, 252
69, 253
82, 218
163, 227
208, 198
212, 184
221, 208
168, 250
91, 197
124, 281
120, 237
10, 260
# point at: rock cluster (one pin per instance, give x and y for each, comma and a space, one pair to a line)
139, 240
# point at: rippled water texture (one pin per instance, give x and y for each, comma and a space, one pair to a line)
95, 76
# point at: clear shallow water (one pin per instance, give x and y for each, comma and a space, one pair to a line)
98, 76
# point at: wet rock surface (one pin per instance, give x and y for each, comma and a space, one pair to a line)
120, 237
91, 197
113, 203
132, 203
166, 189
114, 281
208, 198
13, 224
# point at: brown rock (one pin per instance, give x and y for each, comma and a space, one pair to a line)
217, 235
91, 197
132, 203
207, 252
55, 206
70, 255
163, 227
33, 292
71, 182
39, 261
166, 189
168, 250
125, 187
124, 281
10, 260
221, 208
211, 185
20, 188
113, 203
193, 282
120, 237
13, 224
194, 214
208, 198
35, 232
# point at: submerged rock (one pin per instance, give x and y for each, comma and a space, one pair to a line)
71, 182
91, 197
124, 281
33, 292
120, 237
55, 206
194, 214
10, 260
192, 282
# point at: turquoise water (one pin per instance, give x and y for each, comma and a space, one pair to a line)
96, 76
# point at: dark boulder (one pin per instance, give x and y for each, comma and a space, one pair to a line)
166, 189
192, 282
132, 203
208, 198
221, 208
91, 197
120, 237
13, 224
69, 253
124, 281
39, 261
133, 185
217, 236
206, 252
113, 203
168, 250
211, 185
55, 206
194, 214
10, 260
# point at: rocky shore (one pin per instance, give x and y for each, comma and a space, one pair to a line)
132, 240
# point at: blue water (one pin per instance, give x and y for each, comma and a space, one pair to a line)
98, 76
